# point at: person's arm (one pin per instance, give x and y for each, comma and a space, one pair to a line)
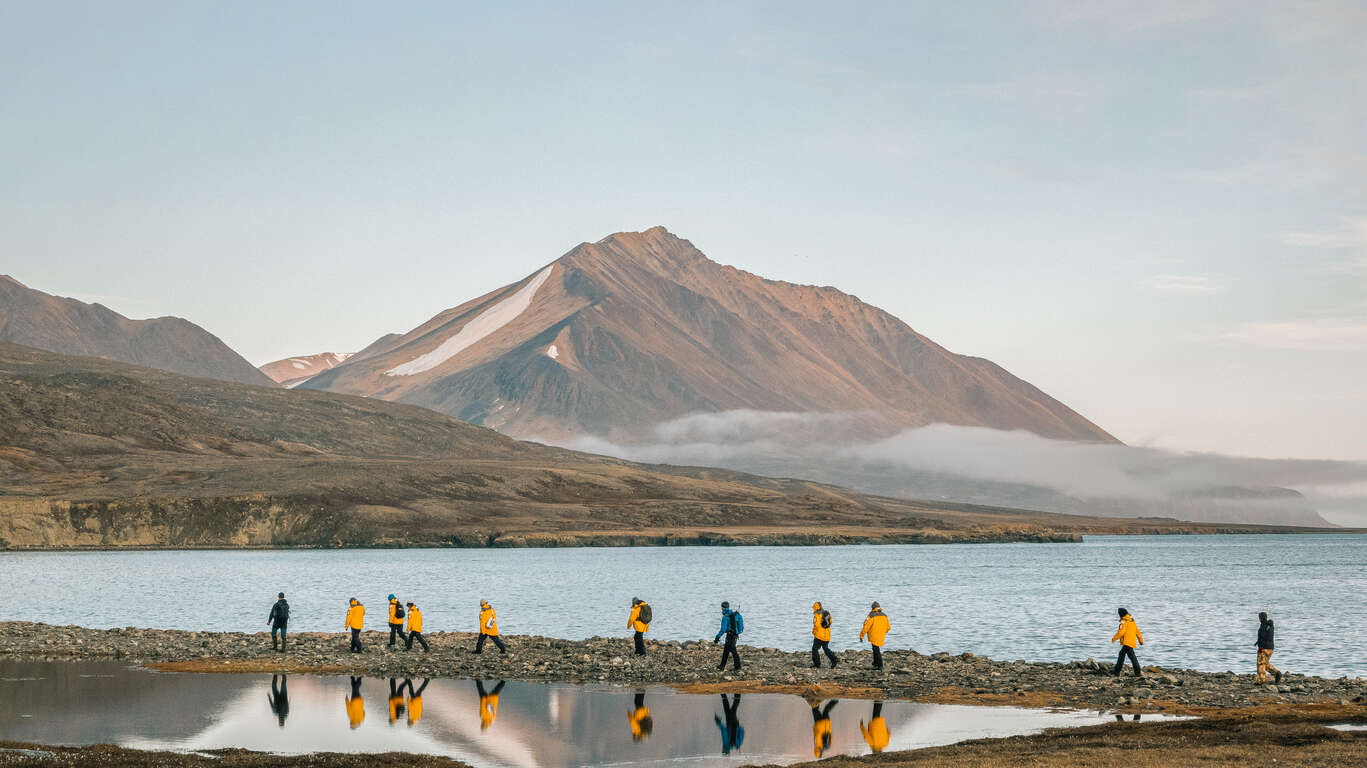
1116, 636
1138, 634
720, 631
631, 619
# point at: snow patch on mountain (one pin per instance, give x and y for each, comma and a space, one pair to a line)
552, 352
487, 322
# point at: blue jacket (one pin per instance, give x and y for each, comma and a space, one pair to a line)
727, 624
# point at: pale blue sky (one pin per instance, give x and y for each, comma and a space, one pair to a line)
1156, 211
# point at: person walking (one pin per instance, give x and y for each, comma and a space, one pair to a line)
488, 628
1265, 647
638, 717
355, 705
415, 629
414, 700
279, 697
876, 628
396, 621
355, 621
732, 732
821, 636
396, 703
876, 733
639, 620
488, 703
821, 726
1129, 636
279, 618
731, 626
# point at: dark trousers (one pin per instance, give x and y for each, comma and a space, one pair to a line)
878, 657
355, 641
1126, 650
479, 644
730, 650
281, 629
640, 640
396, 631
817, 647
416, 636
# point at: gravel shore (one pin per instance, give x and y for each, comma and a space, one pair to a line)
689, 665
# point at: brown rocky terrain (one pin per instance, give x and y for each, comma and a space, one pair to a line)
293, 371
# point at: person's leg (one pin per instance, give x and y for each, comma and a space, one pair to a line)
423, 640
479, 644
1134, 662
640, 641
1119, 662
282, 637
355, 641
1276, 673
275, 641
1262, 666
877, 709
826, 646
878, 657
498, 641
816, 648
735, 654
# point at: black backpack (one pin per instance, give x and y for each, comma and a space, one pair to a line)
825, 619
398, 611
644, 615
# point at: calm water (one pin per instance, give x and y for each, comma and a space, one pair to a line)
1195, 597
518, 724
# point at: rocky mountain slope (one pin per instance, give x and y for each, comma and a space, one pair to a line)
641, 327
72, 327
293, 371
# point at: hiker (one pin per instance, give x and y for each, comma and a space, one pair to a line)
821, 726
876, 628
876, 733
355, 705
1265, 647
279, 697
638, 717
821, 636
280, 616
488, 704
395, 700
732, 732
1128, 634
731, 626
639, 620
415, 629
396, 621
355, 621
414, 700
488, 628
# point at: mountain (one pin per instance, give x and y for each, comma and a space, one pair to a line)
72, 327
95, 453
293, 371
641, 327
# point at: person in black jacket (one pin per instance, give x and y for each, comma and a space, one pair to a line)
1265, 646
279, 697
279, 618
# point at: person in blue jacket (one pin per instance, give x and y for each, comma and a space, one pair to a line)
732, 732
731, 626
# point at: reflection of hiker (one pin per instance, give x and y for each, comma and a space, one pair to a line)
280, 616
639, 620
732, 734
279, 697
1265, 647
488, 628
1128, 634
414, 700
821, 726
731, 626
638, 717
876, 732
415, 629
355, 621
396, 621
488, 704
876, 628
821, 635
395, 700
355, 705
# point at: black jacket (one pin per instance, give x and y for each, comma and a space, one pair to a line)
280, 614
1265, 635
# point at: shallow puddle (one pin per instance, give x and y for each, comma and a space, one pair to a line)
484, 723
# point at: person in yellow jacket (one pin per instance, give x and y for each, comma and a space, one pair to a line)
876, 628
415, 700
488, 704
876, 733
355, 621
395, 700
821, 726
821, 636
415, 629
488, 628
1129, 636
637, 621
355, 705
638, 717
396, 617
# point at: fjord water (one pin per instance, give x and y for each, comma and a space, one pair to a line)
1195, 597
527, 724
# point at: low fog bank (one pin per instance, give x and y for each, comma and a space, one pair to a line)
1006, 468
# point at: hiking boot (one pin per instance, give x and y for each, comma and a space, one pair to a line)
834, 662
1276, 677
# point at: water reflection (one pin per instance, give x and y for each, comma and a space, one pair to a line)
519, 724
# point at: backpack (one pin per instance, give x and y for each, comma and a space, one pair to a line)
737, 623
825, 619
644, 615
398, 611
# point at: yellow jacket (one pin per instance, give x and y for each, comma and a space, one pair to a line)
393, 609
876, 735
818, 631
633, 621
355, 710
488, 710
1128, 633
414, 709
821, 736
395, 702
635, 718
355, 616
414, 619
488, 620
876, 627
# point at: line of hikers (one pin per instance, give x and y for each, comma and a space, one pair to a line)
876, 627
